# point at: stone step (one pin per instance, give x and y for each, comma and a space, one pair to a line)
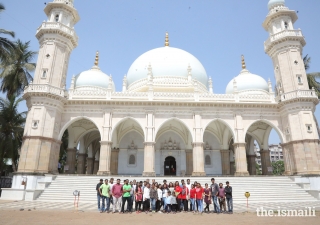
262, 189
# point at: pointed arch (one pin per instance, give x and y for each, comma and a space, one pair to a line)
114, 128
281, 136
171, 119
63, 129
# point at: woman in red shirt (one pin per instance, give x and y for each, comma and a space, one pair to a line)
193, 199
178, 191
199, 197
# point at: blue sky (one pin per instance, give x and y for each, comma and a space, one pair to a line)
217, 32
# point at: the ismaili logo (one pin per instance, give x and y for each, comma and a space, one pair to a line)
307, 211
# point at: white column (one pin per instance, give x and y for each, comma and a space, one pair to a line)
240, 159
149, 151
105, 158
149, 159
198, 159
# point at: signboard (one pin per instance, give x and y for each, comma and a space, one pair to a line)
270, 169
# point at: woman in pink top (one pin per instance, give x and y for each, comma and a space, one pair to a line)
222, 197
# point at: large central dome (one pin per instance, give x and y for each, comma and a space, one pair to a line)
166, 62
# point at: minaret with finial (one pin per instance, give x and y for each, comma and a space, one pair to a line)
166, 42
57, 39
285, 47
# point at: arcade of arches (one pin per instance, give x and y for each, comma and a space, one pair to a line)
173, 149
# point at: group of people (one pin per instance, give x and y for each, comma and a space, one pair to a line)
163, 198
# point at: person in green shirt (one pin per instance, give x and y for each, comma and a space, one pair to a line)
126, 197
104, 191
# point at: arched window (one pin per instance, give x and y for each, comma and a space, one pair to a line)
207, 160
57, 18
286, 25
132, 160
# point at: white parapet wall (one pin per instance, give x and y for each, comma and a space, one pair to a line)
26, 187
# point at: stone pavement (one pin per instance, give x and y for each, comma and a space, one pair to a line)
39, 205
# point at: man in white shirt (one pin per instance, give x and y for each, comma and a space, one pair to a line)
133, 199
188, 185
146, 198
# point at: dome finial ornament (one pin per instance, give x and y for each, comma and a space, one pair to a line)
243, 62
166, 43
96, 63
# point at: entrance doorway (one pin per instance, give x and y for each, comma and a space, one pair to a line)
170, 168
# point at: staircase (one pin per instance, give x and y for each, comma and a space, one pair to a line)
262, 189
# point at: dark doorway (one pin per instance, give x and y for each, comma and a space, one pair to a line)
170, 168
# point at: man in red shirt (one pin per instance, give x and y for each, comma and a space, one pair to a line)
178, 190
116, 192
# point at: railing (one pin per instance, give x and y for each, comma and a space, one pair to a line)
172, 81
296, 94
277, 9
284, 33
69, 2
60, 26
45, 88
88, 92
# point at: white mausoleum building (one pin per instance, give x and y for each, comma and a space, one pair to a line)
167, 120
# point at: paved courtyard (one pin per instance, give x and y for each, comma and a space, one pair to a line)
60, 216
91, 207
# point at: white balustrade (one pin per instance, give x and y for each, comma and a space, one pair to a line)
297, 94
45, 88
68, 2
278, 9
60, 26
284, 33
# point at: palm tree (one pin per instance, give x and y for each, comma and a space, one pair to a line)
5, 44
313, 83
312, 77
16, 70
11, 130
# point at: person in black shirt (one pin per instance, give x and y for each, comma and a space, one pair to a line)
98, 194
228, 191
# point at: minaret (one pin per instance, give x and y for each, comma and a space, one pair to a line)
57, 39
284, 46
296, 102
46, 96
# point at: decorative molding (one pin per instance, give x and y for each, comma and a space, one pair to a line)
170, 145
42, 138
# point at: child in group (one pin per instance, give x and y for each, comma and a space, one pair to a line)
174, 204
168, 202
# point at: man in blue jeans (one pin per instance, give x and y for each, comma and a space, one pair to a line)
104, 191
214, 192
98, 193
228, 191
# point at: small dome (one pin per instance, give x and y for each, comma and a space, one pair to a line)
273, 3
247, 81
94, 78
168, 62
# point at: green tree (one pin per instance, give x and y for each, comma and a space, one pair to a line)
5, 44
312, 77
16, 69
63, 149
313, 83
258, 171
278, 167
11, 130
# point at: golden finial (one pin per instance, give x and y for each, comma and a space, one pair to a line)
96, 63
166, 43
243, 62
